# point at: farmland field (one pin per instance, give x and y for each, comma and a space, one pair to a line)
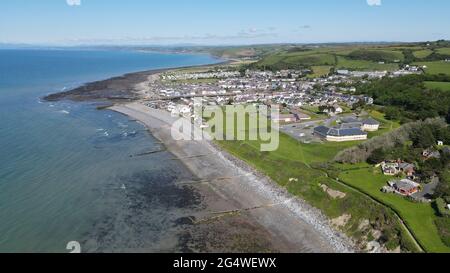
422, 53
344, 63
444, 51
436, 67
377, 55
438, 85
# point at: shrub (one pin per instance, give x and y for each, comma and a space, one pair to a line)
441, 206
443, 226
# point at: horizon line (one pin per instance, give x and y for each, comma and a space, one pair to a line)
24, 44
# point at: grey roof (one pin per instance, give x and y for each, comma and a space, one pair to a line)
405, 165
351, 125
339, 132
405, 185
370, 121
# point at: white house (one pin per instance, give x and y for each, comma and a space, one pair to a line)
338, 109
370, 125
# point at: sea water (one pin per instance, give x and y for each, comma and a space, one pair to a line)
68, 171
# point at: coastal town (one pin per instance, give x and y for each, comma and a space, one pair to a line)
377, 137
228, 127
314, 110
325, 102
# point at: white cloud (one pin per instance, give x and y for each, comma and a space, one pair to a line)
374, 2
73, 2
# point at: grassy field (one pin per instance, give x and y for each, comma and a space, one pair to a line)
419, 217
345, 63
422, 53
444, 51
302, 59
385, 126
320, 70
313, 112
438, 85
377, 55
436, 67
355, 57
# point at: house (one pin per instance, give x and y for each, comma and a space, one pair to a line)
340, 134
430, 153
406, 187
368, 100
338, 109
407, 168
394, 168
370, 125
343, 72
390, 168
440, 143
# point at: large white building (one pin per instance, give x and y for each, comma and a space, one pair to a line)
339, 134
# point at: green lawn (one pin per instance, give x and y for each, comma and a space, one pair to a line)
313, 112
436, 67
419, 217
445, 86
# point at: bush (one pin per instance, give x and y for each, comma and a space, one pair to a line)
443, 226
362, 152
442, 208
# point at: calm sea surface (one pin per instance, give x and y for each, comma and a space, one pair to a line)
65, 168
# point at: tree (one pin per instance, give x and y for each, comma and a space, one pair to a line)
377, 156
360, 104
448, 116
423, 137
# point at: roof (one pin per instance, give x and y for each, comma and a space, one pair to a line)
405, 165
370, 121
322, 130
406, 184
339, 132
351, 125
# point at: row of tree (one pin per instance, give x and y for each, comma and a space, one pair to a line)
407, 98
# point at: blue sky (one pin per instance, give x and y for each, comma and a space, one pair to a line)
221, 21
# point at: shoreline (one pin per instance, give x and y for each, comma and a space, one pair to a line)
295, 225
287, 218
119, 88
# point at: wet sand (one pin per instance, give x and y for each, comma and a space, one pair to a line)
244, 210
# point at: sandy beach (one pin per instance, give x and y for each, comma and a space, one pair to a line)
236, 191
